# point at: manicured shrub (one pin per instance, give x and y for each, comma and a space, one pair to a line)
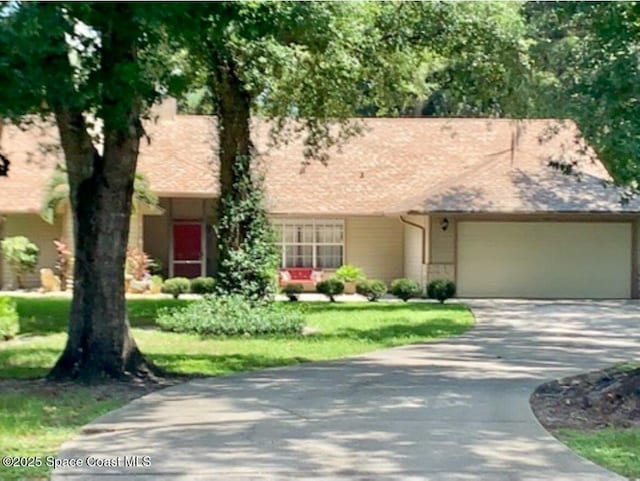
330, 288
441, 290
232, 315
176, 286
405, 289
349, 273
372, 289
9, 319
293, 291
22, 256
203, 285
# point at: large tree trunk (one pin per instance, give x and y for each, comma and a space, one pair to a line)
234, 132
100, 343
101, 186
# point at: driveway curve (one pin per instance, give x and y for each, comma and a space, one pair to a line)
455, 410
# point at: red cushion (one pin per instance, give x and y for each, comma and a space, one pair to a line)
299, 273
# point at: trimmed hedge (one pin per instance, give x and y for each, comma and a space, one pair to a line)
293, 291
372, 289
232, 316
441, 290
176, 286
405, 289
203, 285
330, 288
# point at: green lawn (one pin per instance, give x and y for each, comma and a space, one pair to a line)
615, 449
35, 418
45, 315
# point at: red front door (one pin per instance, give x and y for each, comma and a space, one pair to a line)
187, 250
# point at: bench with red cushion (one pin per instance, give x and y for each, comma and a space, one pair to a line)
299, 275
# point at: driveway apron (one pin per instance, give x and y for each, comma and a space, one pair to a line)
454, 410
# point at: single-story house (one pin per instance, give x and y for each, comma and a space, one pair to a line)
472, 200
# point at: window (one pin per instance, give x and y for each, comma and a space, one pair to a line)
317, 243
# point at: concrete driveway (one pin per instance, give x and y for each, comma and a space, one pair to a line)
455, 410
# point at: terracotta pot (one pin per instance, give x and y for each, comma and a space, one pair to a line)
349, 287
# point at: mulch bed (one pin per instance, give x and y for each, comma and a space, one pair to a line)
595, 400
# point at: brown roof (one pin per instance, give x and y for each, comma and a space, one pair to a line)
396, 166
33, 154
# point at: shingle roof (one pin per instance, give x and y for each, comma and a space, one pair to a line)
33, 154
396, 166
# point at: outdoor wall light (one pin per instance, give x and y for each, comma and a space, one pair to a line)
444, 223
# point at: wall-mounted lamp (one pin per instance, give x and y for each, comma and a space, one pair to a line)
444, 223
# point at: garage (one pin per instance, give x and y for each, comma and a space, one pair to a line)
544, 259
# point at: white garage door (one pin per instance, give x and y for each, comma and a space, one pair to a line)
544, 259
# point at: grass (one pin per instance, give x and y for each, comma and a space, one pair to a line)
615, 449
49, 315
34, 421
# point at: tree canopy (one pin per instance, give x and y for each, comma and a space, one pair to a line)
95, 69
585, 59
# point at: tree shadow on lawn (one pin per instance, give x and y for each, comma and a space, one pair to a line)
400, 333
19, 362
51, 315
220, 364
33, 363
377, 307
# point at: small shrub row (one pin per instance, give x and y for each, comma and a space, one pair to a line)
439, 289
231, 315
373, 289
181, 285
9, 319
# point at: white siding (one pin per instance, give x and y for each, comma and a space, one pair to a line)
39, 232
376, 244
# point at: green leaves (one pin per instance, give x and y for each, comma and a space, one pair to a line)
587, 58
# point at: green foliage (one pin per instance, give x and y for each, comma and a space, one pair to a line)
349, 273
585, 57
156, 280
405, 289
372, 289
330, 288
248, 258
176, 286
21, 254
57, 191
293, 291
441, 290
9, 320
155, 266
203, 285
233, 316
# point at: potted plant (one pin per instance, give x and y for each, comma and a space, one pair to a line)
349, 274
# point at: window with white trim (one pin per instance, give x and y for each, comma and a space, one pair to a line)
317, 243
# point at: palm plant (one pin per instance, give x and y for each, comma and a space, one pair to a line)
57, 191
